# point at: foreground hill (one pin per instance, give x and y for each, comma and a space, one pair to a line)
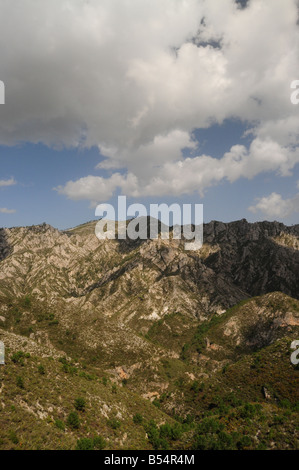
195, 343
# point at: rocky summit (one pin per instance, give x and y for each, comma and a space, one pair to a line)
121, 344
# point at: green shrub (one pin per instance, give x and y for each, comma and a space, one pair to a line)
105, 381
137, 418
67, 366
41, 369
250, 411
285, 403
189, 419
85, 444
73, 420
195, 386
165, 431
20, 382
60, 424
153, 434
176, 432
26, 302
113, 423
99, 443
160, 437
13, 437
184, 352
244, 442
17, 357
157, 403
80, 404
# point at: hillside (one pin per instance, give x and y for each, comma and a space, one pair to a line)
196, 342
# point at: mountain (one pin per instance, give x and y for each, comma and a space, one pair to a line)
146, 329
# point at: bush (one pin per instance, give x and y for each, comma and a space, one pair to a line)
80, 404
67, 366
165, 431
105, 381
87, 443
60, 424
13, 437
17, 357
153, 434
157, 403
99, 443
137, 418
73, 420
244, 442
160, 437
195, 386
113, 423
176, 432
41, 370
285, 403
189, 419
26, 302
211, 435
250, 411
20, 382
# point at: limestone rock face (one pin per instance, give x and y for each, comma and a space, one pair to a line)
258, 258
238, 260
106, 291
4, 245
122, 321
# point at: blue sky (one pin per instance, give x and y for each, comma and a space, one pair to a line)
186, 107
38, 169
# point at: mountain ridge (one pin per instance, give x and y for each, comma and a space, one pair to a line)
154, 320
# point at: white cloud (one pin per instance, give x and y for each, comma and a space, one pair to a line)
3, 210
274, 206
91, 187
166, 173
136, 77
5, 183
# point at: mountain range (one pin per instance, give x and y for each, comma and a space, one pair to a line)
122, 344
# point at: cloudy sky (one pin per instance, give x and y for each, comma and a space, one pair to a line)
159, 100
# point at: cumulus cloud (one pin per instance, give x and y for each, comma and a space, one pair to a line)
4, 210
136, 77
182, 176
9, 182
274, 206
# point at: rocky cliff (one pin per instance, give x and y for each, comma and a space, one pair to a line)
152, 315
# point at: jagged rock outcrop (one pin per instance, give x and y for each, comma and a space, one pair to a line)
238, 260
5, 248
258, 258
106, 291
122, 321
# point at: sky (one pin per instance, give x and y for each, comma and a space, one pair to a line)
185, 101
